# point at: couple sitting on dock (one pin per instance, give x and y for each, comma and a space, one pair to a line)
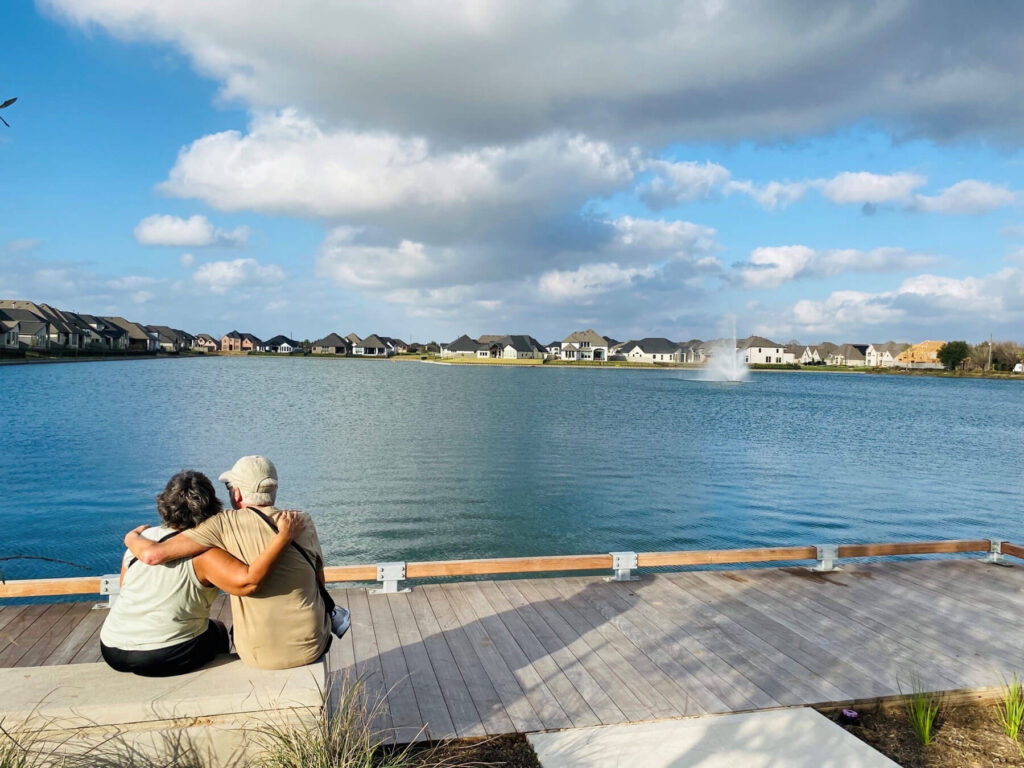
268, 560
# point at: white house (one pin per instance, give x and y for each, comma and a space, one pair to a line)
9, 334
761, 351
371, 346
521, 347
585, 345
461, 347
883, 355
849, 355
652, 350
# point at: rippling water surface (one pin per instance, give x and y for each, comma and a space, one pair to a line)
414, 461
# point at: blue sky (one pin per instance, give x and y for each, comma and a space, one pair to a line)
850, 174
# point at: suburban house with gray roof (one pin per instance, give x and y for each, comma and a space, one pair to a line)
207, 343
849, 355
461, 347
761, 351
585, 345
332, 344
521, 347
282, 345
371, 346
9, 330
652, 350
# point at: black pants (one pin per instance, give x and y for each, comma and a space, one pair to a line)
173, 660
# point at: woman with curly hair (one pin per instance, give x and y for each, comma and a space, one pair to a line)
160, 624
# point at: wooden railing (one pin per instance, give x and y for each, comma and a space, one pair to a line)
385, 572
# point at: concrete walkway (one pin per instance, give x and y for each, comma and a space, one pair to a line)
786, 738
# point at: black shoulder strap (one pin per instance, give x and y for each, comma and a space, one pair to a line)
324, 594
134, 560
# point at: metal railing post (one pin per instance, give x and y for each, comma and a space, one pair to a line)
110, 585
827, 555
995, 554
624, 563
389, 574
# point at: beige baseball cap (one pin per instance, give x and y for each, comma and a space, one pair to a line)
255, 474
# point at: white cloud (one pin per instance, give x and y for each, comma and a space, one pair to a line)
863, 187
583, 283
774, 194
969, 196
770, 267
187, 260
287, 163
193, 232
503, 72
681, 182
372, 266
223, 276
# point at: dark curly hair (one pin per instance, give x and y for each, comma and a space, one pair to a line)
188, 500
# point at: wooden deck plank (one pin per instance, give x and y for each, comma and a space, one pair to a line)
81, 634
785, 679
518, 703
52, 638
35, 627
405, 713
8, 613
22, 619
572, 703
675, 659
368, 666
341, 663
426, 688
485, 696
594, 652
863, 635
463, 712
561, 653
660, 696
820, 661
737, 690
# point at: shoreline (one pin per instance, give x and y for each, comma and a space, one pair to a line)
615, 365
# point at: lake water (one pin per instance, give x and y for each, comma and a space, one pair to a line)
414, 461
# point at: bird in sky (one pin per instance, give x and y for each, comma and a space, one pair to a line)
4, 106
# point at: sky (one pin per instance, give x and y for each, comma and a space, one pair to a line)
843, 171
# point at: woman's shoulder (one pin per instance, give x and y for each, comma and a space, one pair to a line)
157, 532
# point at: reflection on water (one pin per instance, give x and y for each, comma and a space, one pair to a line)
412, 461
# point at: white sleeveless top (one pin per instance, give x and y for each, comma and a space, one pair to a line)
159, 605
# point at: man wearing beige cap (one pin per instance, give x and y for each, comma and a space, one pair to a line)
288, 621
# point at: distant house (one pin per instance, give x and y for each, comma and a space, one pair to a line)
554, 350
923, 355
9, 330
140, 339
800, 354
848, 355
332, 344
394, 346
757, 350
461, 347
429, 348
884, 355
33, 331
353, 340
825, 349
207, 343
282, 345
693, 351
371, 346
169, 339
521, 347
585, 345
652, 350
236, 341
60, 333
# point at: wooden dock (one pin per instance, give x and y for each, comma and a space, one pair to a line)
492, 657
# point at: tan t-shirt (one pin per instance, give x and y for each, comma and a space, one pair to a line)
284, 623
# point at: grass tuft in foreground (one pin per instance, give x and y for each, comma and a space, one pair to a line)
346, 739
922, 708
1010, 709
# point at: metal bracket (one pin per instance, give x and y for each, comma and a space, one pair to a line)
624, 563
389, 574
827, 555
995, 554
110, 585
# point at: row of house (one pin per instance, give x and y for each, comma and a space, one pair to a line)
374, 345
27, 325
591, 346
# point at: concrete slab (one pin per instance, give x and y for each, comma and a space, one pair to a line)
785, 738
96, 694
203, 718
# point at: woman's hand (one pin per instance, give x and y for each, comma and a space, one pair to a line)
290, 524
133, 532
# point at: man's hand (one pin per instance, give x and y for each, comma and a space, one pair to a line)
134, 532
290, 524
